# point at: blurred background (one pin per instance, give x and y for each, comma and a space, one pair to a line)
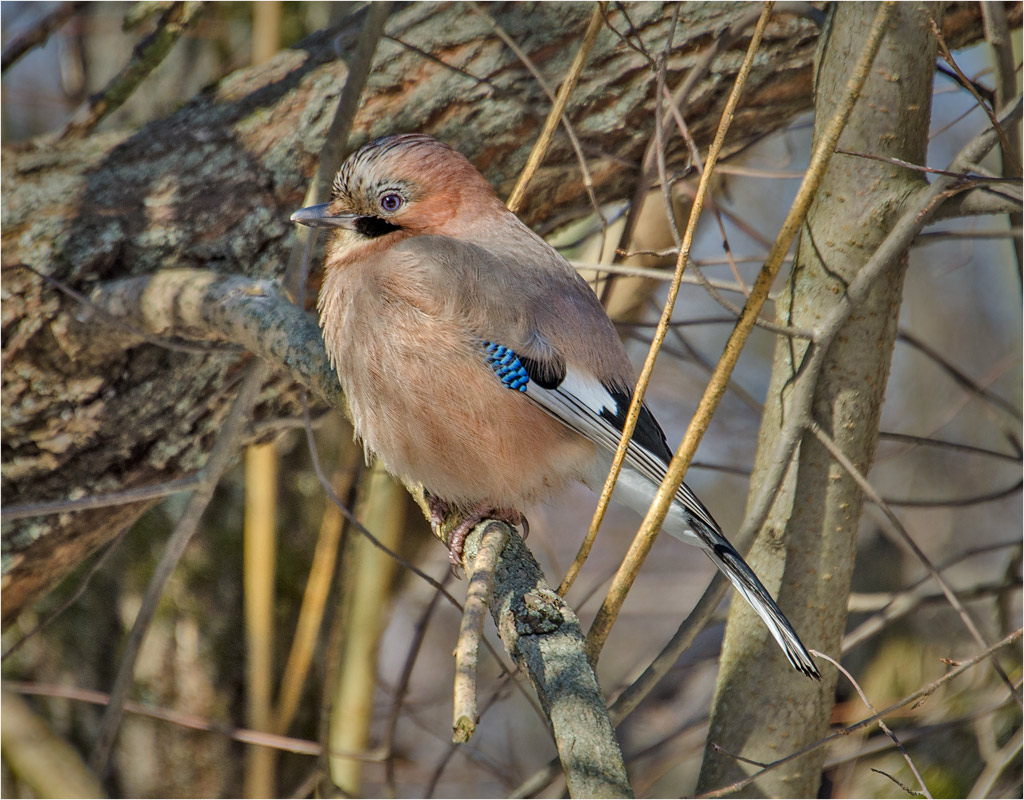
956, 380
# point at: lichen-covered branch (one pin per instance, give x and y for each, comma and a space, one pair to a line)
544, 637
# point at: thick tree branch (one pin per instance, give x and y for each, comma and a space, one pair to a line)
211, 187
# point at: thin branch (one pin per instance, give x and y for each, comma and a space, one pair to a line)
966, 235
966, 175
680, 97
644, 539
924, 441
694, 623
1009, 152
919, 212
899, 605
38, 34
223, 451
557, 113
357, 525
956, 502
924, 691
480, 566
146, 57
881, 722
191, 721
497, 90
984, 200
335, 145
959, 376
869, 491
593, 29
997, 32
719, 381
125, 497
402, 687
625, 37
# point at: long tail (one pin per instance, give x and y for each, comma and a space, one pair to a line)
689, 521
732, 565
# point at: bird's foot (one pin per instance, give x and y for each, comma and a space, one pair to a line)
457, 536
439, 509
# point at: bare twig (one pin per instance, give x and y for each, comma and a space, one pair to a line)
146, 57
38, 34
997, 32
645, 537
415, 646
557, 113
870, 492
441, 62
719, 381
966, 175
362, 529
961, 377
954, 502
919, 212
224, 450
1010, 152
287, 743
336, 144
694, 623
480, 567
648, 169
881, 723
125, 497
592, 30
924, 691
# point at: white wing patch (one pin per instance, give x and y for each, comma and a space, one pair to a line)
579, 401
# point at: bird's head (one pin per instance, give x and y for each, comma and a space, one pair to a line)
399, 186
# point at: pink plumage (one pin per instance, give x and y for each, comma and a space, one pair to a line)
477, 362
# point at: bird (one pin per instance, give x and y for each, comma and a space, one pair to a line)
477, 362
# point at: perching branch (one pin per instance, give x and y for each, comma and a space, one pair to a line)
209, 306
544, 637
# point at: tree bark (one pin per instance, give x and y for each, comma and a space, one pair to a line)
805, 551
211, 187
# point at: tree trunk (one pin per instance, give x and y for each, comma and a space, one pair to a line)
805, 551
212, 185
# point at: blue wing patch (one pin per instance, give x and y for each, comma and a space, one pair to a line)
506, 365
516, 371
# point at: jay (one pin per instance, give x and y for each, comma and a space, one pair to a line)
478, 363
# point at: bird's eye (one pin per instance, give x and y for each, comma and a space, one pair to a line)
391, 202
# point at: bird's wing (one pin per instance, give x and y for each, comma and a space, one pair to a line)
598, 411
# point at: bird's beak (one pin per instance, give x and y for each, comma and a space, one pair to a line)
319, 217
